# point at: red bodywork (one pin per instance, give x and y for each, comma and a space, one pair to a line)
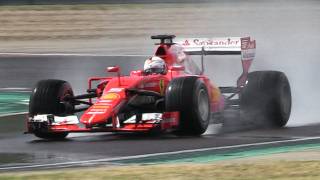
102, 116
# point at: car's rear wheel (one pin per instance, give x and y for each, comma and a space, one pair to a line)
266, 98
49, 97
189, 96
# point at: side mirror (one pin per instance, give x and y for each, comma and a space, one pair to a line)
113, 69
177, 68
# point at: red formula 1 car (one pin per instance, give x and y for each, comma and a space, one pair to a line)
181, 100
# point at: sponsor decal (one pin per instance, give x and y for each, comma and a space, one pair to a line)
66, 120
97, 110
115, 90
186, 43
100, 106
56, 120
105, 101
248, 49
169, 120
146, 117
161, 86
248, 54
40, 118
111, 96
215, 95
151, 116
151, 84
219, 42
103, 104
246, 43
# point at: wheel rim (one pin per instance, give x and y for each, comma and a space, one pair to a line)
203, 105
66, 92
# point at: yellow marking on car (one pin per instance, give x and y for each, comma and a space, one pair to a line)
161, 86
101, 106
97, 110
216, 94
110, 96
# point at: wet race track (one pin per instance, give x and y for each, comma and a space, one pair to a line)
21, 150
287, 40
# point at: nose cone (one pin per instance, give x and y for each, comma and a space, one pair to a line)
95, 115
101, 111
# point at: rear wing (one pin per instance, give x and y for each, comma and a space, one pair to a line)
218, 46
222, 46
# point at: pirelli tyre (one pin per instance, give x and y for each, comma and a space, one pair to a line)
266, 98
189, 96
48, 97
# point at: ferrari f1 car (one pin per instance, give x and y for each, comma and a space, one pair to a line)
182, 100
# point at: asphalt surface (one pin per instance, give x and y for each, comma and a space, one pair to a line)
25, 71
19, 150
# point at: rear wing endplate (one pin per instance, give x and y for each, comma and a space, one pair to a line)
222, 46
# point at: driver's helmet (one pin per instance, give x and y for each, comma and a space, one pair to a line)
155, 65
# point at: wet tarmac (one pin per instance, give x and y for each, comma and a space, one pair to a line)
19, 150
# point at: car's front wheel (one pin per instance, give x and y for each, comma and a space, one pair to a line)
49, 97
189, 96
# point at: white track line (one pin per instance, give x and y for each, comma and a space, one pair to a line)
72, 54
23, 103
154, 154
15, 89
12, 114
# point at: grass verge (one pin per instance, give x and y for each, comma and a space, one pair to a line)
70, 7
292, 170
46, 7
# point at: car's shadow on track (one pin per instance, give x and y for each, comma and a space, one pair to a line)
49, 140
107, 137
119, 136
231, 124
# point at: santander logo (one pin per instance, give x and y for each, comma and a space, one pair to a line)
186, 43
211, 42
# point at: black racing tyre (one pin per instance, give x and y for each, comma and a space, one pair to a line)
48, 97
266, 98
189, 96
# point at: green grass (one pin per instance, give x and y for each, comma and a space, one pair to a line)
13, 102
62, 7
293, 170
69, 7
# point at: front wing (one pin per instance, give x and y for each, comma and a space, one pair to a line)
149, 122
